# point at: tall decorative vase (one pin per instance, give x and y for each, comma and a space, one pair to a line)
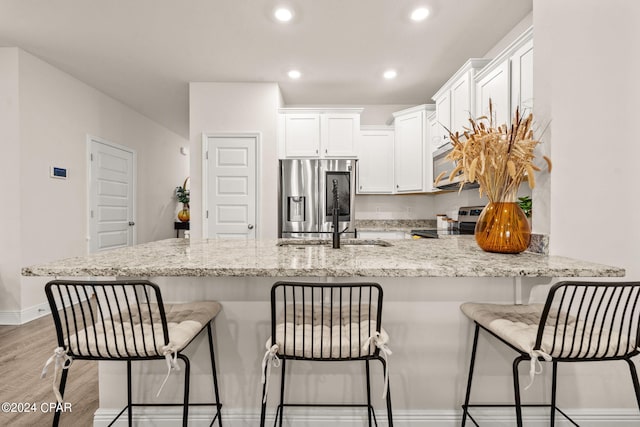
183, 215
503, 227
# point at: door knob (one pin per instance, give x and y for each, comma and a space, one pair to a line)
250, 226
131, 223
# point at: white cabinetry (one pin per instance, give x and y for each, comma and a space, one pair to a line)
313, 133
411, 142
434, 133
494, 85
507, 80
456, 99
521, 62
375, 160
301, 135
443, 115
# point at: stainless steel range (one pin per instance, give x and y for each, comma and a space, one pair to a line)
467, 219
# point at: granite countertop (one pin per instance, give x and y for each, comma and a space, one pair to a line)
453, 256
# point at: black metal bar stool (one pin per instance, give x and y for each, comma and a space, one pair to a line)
127, 321
580, 322
326, 323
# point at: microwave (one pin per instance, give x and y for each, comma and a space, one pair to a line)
442, 164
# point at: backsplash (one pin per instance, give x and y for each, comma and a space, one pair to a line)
410, 206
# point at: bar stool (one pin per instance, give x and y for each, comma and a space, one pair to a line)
126, 321
323, 322
579, 322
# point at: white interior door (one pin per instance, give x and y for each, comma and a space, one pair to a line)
111, 195
230, 192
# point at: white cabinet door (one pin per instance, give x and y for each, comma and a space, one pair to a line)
443, 116
460, 104
302, 135
408, 152
339, 134
434, 133
494, 86
375, 162
522, 78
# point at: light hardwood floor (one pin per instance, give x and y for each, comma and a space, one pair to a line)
24, 350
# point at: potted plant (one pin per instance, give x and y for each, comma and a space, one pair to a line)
182, 194
525, 204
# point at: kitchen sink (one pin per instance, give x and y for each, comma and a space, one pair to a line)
328, 242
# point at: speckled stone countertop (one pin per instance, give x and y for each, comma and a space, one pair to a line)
451, 256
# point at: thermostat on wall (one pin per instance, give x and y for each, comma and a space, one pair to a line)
60, 173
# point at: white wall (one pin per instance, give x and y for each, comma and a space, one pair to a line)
235, 108
10, 244
56, 113
594, 109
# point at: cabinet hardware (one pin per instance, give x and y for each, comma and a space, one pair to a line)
250, 226
131, 223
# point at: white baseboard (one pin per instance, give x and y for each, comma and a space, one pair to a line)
494, 417
19, 317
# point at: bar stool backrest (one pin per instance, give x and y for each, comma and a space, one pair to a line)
108, 320
590, 321
323, 321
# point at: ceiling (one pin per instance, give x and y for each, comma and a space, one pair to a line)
144, 52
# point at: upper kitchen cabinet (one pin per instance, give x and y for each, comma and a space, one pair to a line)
521, 63
455, 101
507, 80
412, 151
434, 131
375, 160
318, 133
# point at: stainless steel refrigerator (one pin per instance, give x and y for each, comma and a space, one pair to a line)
306, 197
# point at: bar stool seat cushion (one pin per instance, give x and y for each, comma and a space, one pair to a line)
312, 331
518, 325
135, 330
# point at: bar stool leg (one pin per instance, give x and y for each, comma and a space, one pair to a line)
369, 407
516, 389
634, 378
187, 380
554, 383
264, 403
129, 405
282, 392
470, 378
389, 411
215, 375
63, 382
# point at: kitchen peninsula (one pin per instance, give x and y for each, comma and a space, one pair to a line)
424, 281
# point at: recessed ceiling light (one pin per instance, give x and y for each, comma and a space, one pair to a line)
390, 74
294, 74
283, 14
420, 14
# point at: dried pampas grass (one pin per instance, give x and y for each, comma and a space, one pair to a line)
498, 158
